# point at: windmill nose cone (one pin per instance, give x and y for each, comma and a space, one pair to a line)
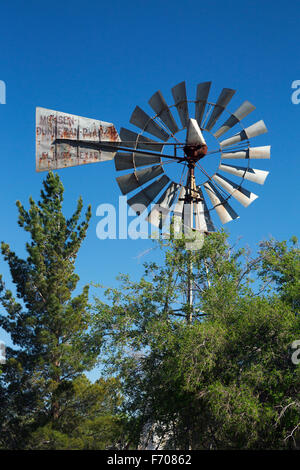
194, 135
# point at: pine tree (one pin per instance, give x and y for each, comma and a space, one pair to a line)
51, 330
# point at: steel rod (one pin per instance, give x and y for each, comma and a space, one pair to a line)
114, 147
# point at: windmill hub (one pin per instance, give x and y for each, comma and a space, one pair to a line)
195, 146
194, 153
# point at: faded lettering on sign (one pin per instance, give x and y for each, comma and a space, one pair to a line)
64, 140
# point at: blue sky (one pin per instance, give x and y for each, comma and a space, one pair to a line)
101, 59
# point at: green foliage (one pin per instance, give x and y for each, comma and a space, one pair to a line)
226, 379
88, 419
44, 395
281, 267
217, 375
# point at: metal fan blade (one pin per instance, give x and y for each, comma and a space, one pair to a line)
243, 111
126, 161
180, 201
141, 160
160, 211
201, 97
131, 181
242, 195
260, 152
159, 105
188, 216
194, 135
202, 218
252, 131
140, 201
142, 141
251, 174
180, 99
223, 209
141, 119
254, 153
222, 102
178, 211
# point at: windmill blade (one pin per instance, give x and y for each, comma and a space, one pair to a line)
52, 125
223, 100
159, 105
253, 152
188, 216
129, 160
160, 211
141, 119
141, 141
201, 97
131, 181
194, 135
180, 100
243, 111
203, 220
252, 131
223, 209
124, 161
178, 211
251, 174
140, 201
242, 195
184, 217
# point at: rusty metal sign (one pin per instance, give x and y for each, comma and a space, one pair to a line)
61, 137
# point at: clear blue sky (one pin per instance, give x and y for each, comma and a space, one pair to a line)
101, 59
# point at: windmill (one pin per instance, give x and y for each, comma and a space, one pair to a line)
144, 156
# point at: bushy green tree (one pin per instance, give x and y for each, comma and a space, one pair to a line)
226, 379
